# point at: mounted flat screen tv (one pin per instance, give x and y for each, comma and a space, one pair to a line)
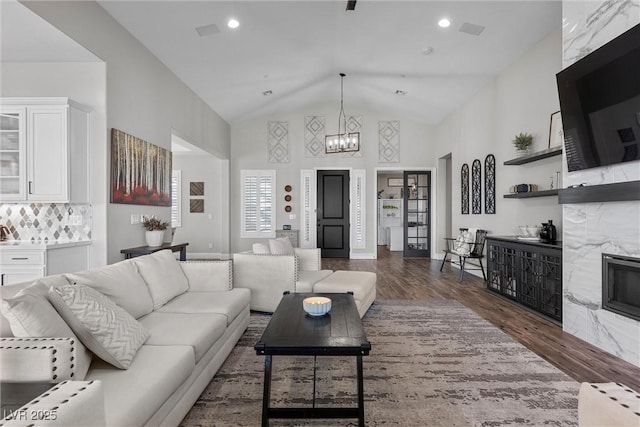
600, 104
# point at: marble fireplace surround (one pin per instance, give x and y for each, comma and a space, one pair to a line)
591, 229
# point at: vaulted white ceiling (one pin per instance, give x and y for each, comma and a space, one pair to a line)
296, 49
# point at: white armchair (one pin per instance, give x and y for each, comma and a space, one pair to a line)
269, 276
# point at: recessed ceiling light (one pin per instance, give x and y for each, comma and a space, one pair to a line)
444, 22
233, 23
427, 50
267, 93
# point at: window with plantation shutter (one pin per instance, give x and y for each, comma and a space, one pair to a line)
176, 198
258, 203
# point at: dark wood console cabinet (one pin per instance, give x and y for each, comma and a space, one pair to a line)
527, 272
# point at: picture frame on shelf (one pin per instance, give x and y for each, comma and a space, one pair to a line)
556, 133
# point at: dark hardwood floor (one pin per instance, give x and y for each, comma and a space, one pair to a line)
420, 278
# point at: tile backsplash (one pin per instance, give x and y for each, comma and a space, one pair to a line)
47, 222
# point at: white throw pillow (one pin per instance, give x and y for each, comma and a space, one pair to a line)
31, 315
105, 328
281, 246
463, 243
163, 276
260, 249
121, 282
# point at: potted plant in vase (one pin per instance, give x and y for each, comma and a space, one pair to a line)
155, 230
522, 142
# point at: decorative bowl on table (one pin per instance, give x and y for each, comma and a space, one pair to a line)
316, 306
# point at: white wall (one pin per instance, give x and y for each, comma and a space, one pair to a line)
209, 227
144, 99
249, 151
521, 99
84, 83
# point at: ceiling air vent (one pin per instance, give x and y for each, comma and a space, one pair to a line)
472, 29
208, 30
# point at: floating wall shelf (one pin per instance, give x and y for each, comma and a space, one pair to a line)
530, 194
618, 192
538, 155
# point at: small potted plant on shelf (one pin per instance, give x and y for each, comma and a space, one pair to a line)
155, 230
522, 142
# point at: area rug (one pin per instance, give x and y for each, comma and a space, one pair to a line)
432, 363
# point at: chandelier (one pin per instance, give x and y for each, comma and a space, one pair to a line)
343, 141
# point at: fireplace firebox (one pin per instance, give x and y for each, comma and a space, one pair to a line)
621, 285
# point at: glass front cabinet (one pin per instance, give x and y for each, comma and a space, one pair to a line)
12, 154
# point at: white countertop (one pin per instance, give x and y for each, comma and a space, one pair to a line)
28, 244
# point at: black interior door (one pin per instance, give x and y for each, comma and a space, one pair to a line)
333, 213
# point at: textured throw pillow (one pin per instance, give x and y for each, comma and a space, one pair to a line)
462, 245
280, 246
163, 276
105, 328
121, 282
260, 249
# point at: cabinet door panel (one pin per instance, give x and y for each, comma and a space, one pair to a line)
13, 275
13, 176
47, 144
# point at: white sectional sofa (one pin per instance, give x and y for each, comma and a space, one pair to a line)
268, 276
187, 314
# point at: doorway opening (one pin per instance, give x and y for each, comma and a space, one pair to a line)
403, 219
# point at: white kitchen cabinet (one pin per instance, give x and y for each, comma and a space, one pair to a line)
26, 262
54, 153
19, 265
13, 150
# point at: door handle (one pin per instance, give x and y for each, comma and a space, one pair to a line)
19, 258
30, 182
2, 280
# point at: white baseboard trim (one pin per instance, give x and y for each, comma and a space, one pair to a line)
363, 256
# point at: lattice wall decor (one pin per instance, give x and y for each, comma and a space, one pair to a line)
490, 184
389, 142
476, 187
464, 189
278, 142
314, 132
354, 124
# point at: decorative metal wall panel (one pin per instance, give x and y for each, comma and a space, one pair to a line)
314, 133
490, 184
464, 189
476, 187
389, 142
278, 142
46, 222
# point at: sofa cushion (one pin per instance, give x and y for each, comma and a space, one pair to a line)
133, 396
306, 279
199, 331
260, 249
105, 328
20, 310
163, 276
121, 282
230, 303
280, 246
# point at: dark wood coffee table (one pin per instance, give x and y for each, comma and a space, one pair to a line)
292, 332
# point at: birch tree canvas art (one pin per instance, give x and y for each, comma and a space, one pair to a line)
140, 171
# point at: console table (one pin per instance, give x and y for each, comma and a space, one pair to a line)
528, 272
146, 250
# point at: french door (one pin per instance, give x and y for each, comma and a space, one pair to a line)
417, 214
